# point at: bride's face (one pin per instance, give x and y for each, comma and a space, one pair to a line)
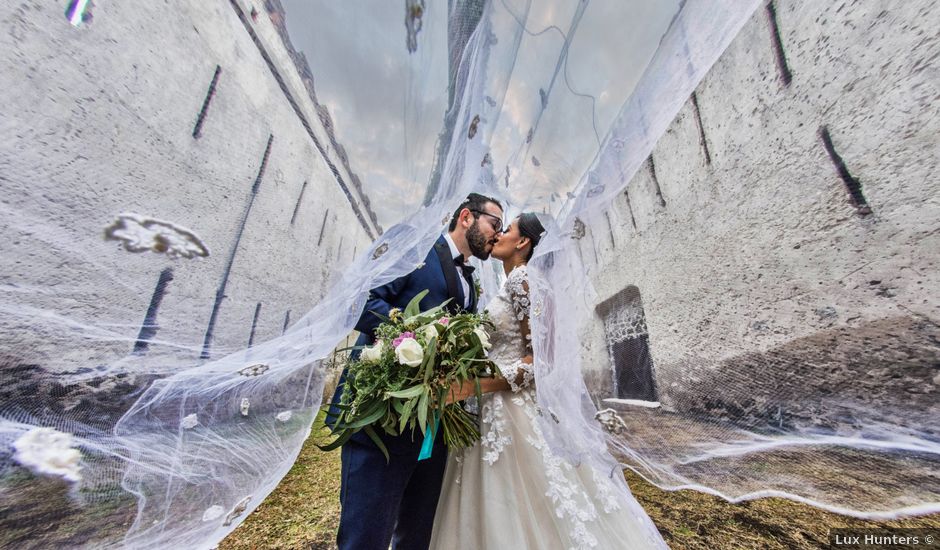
509, 239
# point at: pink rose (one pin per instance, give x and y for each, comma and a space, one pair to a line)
397, 341
444, 321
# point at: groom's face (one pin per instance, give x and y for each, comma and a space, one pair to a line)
485, 230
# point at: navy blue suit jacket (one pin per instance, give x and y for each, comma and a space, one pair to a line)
440, 277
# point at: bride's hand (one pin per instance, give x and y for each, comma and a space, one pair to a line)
459, 392
468, 389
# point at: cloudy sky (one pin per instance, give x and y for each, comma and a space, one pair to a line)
388, 104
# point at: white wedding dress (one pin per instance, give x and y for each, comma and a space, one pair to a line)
509, 490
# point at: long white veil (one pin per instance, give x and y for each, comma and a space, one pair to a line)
738, 292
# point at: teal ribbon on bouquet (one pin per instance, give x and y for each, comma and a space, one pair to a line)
428, 445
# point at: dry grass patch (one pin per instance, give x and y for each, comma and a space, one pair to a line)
303, 513
694, 520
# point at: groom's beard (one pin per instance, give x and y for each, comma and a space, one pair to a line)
477, 242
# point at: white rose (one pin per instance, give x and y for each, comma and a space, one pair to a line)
484, 337
374, 353
409, 352
430, 332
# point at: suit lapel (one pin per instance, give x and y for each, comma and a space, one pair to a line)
450, 276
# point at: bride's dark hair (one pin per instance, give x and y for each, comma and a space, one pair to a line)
531, 227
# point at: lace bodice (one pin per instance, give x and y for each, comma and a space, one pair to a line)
509, 311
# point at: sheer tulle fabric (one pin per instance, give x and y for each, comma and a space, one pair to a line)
182, 455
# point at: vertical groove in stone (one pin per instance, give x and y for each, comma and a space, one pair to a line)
597, 260
323, 227
197, 130
659, 192
610, 226
220, 291
785, 75
286, 322
149, 329
254, 325
852, 185
297, 206
701, 128
630, 209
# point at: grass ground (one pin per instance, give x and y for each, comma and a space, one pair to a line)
303, 512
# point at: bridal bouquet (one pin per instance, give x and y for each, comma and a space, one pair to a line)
401, 382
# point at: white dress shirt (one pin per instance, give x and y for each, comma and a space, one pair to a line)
454, 252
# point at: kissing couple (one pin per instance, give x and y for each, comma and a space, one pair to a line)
509, 490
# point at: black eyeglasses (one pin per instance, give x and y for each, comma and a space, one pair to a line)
497, 223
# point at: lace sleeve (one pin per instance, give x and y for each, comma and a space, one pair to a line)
519, 374
519, 293
518, 286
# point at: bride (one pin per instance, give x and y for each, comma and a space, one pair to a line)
510, 490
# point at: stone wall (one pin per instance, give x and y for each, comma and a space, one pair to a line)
191, 113
787, 225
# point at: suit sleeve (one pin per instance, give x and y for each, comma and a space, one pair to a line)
379, 301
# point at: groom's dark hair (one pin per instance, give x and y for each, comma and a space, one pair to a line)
474, 201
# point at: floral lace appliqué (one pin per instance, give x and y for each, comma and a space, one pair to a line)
569, 499
605, 492
515, 283
495, 439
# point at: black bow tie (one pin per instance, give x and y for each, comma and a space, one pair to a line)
467, 268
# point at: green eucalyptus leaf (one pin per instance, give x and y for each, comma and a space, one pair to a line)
373, 415
406, 414
384, 318
377, 440
338, 442
413, 391
423, 411
472, 352
428, 364
414, 306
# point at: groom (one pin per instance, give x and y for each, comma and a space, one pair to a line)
395, 500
